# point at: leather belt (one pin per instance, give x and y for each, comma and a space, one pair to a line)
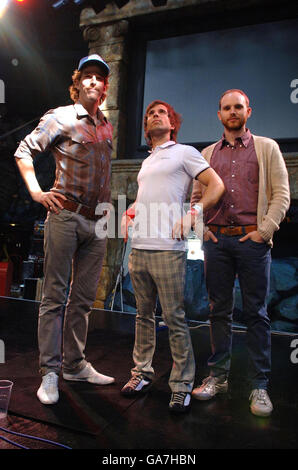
78, 208
231, 230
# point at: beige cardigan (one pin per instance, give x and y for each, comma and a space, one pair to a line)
274, 192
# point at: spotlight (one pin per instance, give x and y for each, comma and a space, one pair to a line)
121, 3
3, 6
60, 3
159, 3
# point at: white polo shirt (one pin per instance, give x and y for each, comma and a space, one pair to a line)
164, 181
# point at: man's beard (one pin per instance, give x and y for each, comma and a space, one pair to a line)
234, 126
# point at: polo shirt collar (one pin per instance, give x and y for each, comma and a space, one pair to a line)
167, 144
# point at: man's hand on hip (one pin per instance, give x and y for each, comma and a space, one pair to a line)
50, 200
210, 236
254, 236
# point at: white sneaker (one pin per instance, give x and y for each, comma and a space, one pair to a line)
48, 391
210, 387
89, 374
260, 403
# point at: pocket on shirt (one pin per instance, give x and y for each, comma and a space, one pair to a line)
79, 141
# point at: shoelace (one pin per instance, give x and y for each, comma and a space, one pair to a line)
135, 380
50, 380
260, 396
209, 381
179, 397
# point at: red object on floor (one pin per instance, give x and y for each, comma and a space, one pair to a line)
6, 269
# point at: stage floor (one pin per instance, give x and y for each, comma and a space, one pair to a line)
94, 417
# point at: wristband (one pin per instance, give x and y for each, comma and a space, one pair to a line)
130, 213
195, 210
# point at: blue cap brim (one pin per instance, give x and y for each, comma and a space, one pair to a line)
96, 60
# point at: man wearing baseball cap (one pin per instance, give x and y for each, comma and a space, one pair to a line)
80, 139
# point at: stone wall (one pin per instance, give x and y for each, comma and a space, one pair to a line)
124, 182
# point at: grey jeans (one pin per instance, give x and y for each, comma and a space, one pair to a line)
72, 252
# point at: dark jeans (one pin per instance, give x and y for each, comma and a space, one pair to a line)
251, 261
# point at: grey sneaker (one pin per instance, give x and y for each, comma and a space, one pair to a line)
48, 393
210, 387
260, 403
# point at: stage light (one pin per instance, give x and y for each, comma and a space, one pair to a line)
60, 3
97, 5
3, 7
159, 3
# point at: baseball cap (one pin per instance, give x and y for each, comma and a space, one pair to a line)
95, 59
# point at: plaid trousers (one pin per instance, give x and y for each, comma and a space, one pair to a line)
155, 272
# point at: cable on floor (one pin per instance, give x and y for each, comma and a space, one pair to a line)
29, 437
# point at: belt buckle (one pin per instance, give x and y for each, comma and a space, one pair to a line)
230, 229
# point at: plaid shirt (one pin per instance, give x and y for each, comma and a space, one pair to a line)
82, 151
239, 169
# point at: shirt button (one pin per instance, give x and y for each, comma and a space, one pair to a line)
232, 190
233, 176
233, 161
232, 205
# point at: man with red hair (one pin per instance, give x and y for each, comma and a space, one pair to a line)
157, 259
237, 241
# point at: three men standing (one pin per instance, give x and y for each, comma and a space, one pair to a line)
242, 185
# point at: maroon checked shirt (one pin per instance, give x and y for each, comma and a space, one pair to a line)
82, 151
239, 169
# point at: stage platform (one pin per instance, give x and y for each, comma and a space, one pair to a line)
94, 417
